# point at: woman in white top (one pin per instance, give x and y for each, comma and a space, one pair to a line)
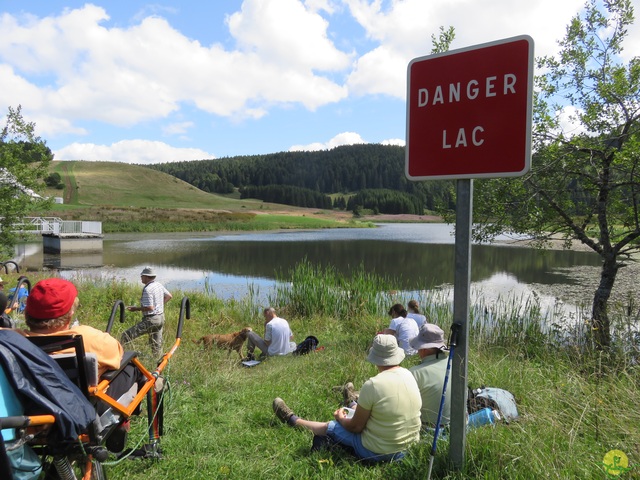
403, 328
414, 312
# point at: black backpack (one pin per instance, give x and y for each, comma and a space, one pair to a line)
309, 344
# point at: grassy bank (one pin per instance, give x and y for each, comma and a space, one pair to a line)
148, 220
575, 405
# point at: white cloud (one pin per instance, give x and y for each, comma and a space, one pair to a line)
319, 5
130, 151
401, 142
124, 76
177, 128
345, 138
287, 34
403, 29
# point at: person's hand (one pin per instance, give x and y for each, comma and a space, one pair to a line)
131, 308
340, 414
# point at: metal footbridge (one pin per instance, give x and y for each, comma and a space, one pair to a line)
58, 227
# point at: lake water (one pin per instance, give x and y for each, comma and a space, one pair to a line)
421, 256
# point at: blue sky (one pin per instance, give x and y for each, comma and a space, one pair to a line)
142, 82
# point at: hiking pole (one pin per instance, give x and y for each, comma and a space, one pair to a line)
455, 328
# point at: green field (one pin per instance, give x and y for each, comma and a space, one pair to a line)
132, 198
576, 405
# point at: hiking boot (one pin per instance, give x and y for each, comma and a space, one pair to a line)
349, 394
249, 358
282, 411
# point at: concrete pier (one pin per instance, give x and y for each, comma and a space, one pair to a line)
71, 242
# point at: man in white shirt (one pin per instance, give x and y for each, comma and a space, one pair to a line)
277, 336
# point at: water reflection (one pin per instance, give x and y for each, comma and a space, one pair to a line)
421, 256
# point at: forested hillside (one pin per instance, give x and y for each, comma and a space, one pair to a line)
347, 170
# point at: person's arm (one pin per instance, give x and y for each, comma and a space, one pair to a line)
167, 295
267, 334
356, 423
391, 329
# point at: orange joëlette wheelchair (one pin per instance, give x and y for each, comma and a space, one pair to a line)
50, 426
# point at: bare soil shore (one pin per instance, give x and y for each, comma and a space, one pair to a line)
586, 280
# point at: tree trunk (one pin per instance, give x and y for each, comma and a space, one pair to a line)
599, 314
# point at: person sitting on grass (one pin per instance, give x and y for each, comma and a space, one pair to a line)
277, 337
414, 312
386, 420
430, 373
402, 327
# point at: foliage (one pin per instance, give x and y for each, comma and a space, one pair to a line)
309, 289
24, 160
584, 184
387, 201
443, 42
343, 169
287, 195
53, 180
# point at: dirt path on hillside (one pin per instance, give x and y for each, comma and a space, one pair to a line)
68, 184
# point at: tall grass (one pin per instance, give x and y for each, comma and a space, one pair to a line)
575, 404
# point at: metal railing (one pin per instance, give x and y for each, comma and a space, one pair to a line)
57, 226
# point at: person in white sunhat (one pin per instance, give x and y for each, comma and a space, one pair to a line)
386, 420
154, 296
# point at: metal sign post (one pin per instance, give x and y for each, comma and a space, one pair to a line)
469, 115
461, 282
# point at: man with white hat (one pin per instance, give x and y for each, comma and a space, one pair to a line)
386, 420
430, 373
154, 296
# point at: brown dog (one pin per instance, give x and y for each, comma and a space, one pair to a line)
230, 341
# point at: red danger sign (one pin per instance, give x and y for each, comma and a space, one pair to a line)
469, 112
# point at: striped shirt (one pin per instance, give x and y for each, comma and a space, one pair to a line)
153, 296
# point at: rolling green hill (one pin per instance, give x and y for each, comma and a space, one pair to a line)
124, 185
131, 198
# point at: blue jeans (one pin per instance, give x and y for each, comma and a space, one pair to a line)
338, 434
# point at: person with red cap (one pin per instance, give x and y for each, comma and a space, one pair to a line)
50, 309
51, 306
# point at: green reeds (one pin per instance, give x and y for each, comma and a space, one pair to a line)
309, 289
